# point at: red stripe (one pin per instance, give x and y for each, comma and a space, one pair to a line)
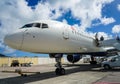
105, 83
72, 28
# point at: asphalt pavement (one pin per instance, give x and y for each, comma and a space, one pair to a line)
75, 74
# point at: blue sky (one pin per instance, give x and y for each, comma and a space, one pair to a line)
110, 10
90, 16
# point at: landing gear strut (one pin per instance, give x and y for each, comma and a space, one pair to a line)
93, 61
59, 70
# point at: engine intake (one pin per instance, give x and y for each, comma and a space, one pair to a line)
74, 58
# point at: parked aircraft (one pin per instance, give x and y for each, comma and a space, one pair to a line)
57, 38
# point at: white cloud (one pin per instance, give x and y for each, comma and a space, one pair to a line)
8, 50
15, 13
105, 35
42, 11
18, 12
104, 21
107, 21
2, 45
65, 21
84, 10
91, 34
12, 17
118, 7
116, 29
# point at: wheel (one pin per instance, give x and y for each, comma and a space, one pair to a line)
24, 75
93, 62
60, 71
57, 71
107, 67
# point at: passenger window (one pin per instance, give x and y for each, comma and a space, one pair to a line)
44, 25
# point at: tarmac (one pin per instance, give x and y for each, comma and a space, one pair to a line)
75, 74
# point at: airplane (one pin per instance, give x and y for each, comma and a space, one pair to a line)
56, 38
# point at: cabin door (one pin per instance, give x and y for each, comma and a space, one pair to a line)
66, 33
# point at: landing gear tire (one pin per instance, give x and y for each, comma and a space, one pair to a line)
93, 62
60, 71
24, 75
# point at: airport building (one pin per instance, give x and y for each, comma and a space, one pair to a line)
7, 61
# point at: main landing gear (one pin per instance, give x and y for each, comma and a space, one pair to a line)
59, 70
93, 61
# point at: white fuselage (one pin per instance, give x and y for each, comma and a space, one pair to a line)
57, 38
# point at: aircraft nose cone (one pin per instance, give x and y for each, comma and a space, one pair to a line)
13, 40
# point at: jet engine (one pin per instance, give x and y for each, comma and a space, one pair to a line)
74, 58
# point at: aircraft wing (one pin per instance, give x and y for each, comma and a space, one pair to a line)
111, 43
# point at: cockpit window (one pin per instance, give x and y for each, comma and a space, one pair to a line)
28, 25
38, 25
44, 25
32, 25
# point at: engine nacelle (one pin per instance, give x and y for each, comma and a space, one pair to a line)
74, 58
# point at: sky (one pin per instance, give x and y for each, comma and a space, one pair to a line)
90, 16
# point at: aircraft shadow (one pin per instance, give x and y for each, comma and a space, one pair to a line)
47, 75
88, 67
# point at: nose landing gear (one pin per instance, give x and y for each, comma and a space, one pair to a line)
93, 61
59, 70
